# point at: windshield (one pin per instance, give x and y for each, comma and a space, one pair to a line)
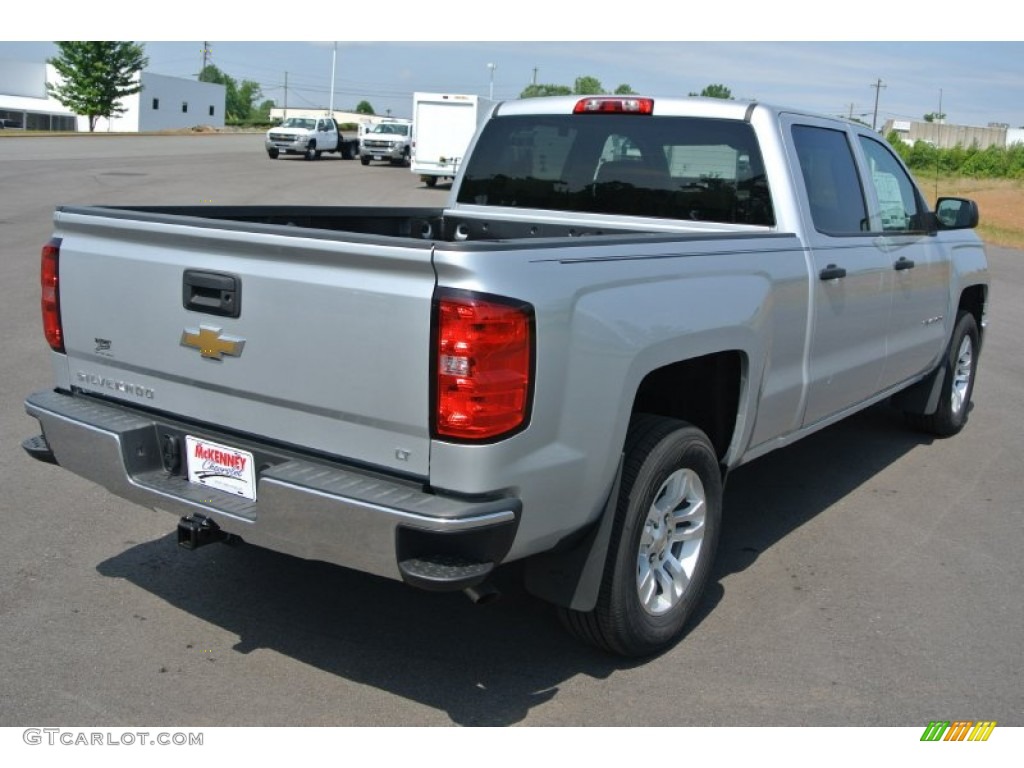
392, 128
299, 122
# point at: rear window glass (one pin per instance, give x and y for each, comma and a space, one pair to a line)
639, 165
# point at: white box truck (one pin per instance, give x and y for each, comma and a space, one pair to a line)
442, 126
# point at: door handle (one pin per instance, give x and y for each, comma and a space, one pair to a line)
903, 263
832, 272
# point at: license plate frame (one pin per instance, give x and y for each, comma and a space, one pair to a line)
221, 467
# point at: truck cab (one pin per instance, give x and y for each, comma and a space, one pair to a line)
310, 137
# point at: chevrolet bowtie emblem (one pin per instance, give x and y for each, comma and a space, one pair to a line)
211, 343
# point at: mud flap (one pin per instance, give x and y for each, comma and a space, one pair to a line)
571, 577
923, 397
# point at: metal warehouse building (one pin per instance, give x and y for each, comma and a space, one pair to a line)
164, 103
946, 135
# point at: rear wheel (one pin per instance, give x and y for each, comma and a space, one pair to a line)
431, 181
663, 540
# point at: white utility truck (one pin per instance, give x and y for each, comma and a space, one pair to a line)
443, 125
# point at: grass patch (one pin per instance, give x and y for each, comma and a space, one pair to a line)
1000, 201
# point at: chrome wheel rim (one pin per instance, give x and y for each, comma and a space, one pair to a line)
671, 542
962, 375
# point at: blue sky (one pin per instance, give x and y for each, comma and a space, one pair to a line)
978, 81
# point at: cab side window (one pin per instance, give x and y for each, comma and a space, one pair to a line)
900, 206
830, 175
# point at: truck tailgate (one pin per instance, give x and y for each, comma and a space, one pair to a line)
329, 350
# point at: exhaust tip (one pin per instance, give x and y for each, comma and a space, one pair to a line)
482, 594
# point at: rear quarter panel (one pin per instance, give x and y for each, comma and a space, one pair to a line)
609, 312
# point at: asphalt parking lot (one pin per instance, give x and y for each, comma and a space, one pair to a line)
866, 576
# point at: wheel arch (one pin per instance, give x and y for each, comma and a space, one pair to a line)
974, 299
704, 391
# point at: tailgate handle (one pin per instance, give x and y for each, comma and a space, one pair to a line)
211, 292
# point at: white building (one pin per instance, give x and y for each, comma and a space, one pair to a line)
946, 135
164, 103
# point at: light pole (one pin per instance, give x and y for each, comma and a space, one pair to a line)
492, 66
334, 67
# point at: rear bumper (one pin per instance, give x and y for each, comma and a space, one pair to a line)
307, 507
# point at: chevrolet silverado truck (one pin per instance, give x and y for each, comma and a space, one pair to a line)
309, 137
387, 140
623, 299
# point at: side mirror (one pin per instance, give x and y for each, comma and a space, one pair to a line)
956, 213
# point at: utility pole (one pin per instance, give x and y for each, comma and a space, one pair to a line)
286, 94
878, 86
534, 75
206, 56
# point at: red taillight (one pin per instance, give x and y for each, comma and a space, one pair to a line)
484, 363
623, 105
49, 270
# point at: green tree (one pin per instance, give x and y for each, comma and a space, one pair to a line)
899, 145
541, 89
239, 100
582, 86
715, 91
249, 93
96, 75
365, 108
587, 86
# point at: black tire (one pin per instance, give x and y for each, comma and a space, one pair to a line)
430, 181
272, 154
671, 490
961, 367
312, 153
364, 159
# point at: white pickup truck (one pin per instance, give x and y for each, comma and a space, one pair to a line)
309, 137
623, 299
387, 140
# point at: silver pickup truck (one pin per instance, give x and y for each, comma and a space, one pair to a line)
623, 299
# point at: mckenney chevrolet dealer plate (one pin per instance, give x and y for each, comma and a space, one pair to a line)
221, 466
